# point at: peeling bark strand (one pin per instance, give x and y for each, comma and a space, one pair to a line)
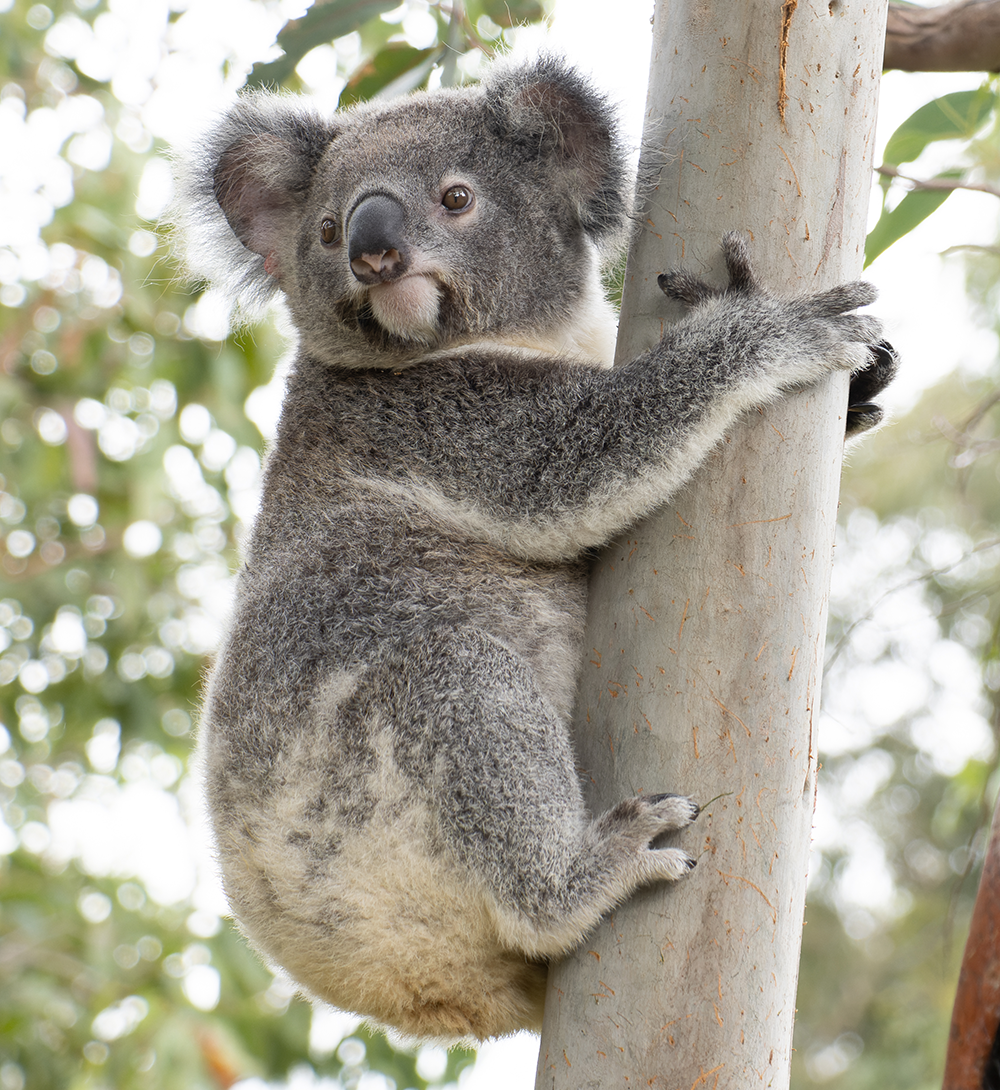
787, 11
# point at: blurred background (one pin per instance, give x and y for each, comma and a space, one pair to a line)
132, 423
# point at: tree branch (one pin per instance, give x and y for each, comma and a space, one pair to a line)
975, 247
961, 37
937, 183
973, 1040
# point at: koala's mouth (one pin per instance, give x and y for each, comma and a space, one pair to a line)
407, 307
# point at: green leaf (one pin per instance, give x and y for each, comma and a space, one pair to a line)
957, 116
385, 68
320, 25
914, 208
507, 13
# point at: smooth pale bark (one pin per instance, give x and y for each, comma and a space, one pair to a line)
706, 626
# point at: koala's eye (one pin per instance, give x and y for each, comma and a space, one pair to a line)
329, 232
457, 198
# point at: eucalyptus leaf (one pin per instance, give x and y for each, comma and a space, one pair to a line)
914, 208
507, 13
386, 74
321, 24
957, 116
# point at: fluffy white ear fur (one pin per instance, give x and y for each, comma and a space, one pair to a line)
233, 187
552, 108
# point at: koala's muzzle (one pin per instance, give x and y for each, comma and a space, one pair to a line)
375, 240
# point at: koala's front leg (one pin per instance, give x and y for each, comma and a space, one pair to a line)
739, 349
547, 461
752, 341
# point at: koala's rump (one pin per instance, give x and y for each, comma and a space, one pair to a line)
374, 916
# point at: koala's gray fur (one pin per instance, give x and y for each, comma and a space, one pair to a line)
390, 775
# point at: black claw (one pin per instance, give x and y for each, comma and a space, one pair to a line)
691, 863
866, 409
684, 286
862, 411
862, 419
665, 795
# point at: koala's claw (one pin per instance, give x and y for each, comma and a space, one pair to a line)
863, 417
673, 811
862, 411
685, 287
691, 290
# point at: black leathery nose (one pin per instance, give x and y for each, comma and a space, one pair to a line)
376, 226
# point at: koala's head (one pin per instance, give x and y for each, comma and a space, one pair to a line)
393, 229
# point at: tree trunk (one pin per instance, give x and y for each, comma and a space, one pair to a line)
706, 625
973, 1061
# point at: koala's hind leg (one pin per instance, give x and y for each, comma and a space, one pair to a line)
512, 807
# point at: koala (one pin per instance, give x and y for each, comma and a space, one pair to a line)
386, 734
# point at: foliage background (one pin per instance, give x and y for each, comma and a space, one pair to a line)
131, 427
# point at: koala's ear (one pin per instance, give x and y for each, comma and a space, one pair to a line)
548, 113
239, 189
258, 182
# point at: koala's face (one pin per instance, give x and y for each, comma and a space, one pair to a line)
419, 230
440, 219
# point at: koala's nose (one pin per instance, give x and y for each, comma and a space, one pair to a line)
375, 246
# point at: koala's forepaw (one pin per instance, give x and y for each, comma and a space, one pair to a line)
862, 411
643, 817
798, 340
675, 811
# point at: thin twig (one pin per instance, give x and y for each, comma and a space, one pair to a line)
979, 248
931, 573
937, 183
981, 410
